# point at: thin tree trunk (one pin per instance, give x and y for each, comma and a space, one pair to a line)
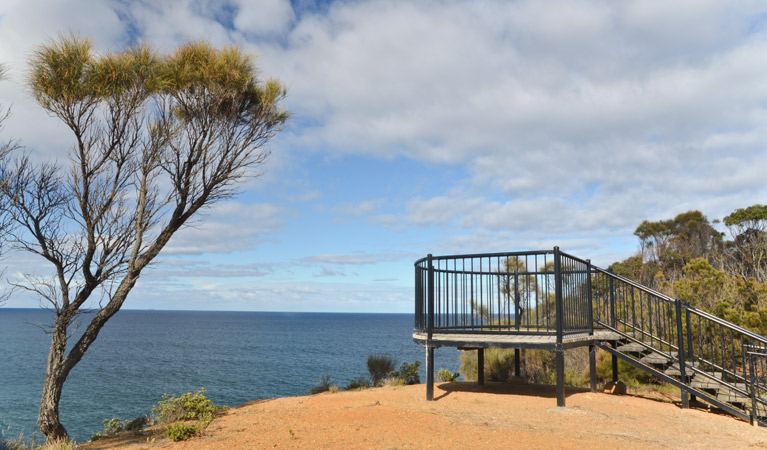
48, 416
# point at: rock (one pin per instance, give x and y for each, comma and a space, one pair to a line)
616, 387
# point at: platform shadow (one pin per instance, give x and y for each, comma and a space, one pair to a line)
501, 388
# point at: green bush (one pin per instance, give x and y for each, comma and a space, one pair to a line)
499, 364
187, 407
359, 383
181, 431
628, 373
324, 385
114, 425
408, 373
379, 367
446, 375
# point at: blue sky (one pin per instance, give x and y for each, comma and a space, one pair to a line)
436, 127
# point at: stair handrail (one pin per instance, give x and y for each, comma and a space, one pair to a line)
700, 312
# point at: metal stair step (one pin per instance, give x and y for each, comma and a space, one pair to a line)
655, 359
633, 347
702, 382
674, 371
728, 395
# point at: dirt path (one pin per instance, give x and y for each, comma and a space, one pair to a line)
463, 417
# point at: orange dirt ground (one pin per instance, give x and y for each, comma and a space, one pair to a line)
464, 416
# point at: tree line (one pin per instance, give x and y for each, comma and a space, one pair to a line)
721, 272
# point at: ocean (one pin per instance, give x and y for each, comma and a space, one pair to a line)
236, 356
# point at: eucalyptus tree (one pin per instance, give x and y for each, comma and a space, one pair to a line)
155, 140
747, 254
6, 148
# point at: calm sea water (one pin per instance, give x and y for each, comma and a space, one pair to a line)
236, 356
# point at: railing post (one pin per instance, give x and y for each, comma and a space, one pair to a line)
680, 347
429, 333
613, 322
752, 376
590, 301
592, 347
690, 354
559, 352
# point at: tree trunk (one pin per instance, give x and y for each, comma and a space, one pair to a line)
48, 417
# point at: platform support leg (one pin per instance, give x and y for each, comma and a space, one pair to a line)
516, 362
481, 366
593, 367
560, 361
429, 372
615, 363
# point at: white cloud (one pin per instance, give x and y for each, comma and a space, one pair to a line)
263, 17
228, 227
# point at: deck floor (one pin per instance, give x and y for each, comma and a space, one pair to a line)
488, 340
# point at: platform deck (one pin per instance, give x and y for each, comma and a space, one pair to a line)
526, 341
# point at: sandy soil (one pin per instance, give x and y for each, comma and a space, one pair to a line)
462, 417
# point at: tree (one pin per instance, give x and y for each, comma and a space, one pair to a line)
156, 139
5, 150
747, 253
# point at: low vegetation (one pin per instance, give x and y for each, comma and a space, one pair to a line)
177, 412
380, 366
446, 375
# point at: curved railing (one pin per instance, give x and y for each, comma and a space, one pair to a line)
531, 292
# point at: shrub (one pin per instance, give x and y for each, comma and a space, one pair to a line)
628, 373
114, 425
379, 367
446, 375
187, 407
408, 373
324, 385
359, 383
499, 364
181, 431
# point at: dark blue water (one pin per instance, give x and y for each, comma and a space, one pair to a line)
236, 356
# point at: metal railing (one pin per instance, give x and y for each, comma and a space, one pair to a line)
532, 292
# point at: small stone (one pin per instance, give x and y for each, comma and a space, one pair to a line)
616, 387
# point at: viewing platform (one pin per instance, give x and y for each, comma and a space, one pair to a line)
550, 300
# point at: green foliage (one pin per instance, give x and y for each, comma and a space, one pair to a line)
181, 431
190, 406
499, 364
114, 425
173, 411
324, 385
379, 367
408, 373
750, 217
359, 383
629, 374
446, 375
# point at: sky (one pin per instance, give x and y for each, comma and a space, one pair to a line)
438, 127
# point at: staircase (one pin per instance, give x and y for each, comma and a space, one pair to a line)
708, 358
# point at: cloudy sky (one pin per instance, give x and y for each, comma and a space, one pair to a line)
437, 127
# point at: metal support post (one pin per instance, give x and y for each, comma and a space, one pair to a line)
593, 367
560, 351
429, 334
429, 372
560, 360
680, 346
517, 360
481, 366
615, 362
690, 354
